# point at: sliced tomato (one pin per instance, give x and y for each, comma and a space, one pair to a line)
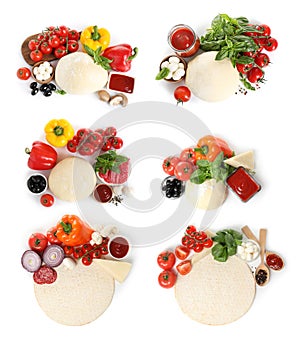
184, 267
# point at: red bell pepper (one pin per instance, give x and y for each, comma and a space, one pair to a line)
41, 156
121, 56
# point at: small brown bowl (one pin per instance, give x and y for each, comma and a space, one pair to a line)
43, 81
181, 60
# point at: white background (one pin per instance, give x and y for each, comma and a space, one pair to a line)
264, 121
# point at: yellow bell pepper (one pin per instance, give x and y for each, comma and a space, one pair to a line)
59, 132
95, 38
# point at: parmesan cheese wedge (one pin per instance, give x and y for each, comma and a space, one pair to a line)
245, 160
119, 270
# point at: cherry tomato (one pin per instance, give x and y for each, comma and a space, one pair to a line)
169, 164
185, 240
110, 132
47, 200
243, 68
51, 236
63, 31
104, 249
87, 259
23, 73
72, 46
255, 75
183, 170
198, 247
184, 267
271, 44
73, 35
106, 146
62, 41
36, 55
68, 250
87, 247
201, 235
117, 143
72, 145
182, 94
60, 51
45, 48
166, 260
77, 253
208, 242
54, 41
191, 229
33, 44
167, 279
182, 252
191, 243
96, 254
83, 133
86, 149
265, 30
188, 155
262, 60
96, 139
38, 242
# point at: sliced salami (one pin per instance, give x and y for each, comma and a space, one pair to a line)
45, 275
118, 178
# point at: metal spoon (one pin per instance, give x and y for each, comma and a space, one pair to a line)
262, 273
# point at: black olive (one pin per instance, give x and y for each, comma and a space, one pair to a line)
52, 86
36, 183
33, 85
47, 93
34, 91
44, 87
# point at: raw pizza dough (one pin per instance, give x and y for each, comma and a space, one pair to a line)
77, 73
72, 179
211, 80
78, 296
216, 293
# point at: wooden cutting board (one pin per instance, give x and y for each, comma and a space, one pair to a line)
216, 293
78, 296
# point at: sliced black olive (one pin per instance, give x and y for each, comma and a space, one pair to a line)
34, 91
47, 93
44, 87
33, 85
52, 86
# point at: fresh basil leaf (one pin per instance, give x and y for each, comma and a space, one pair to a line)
219, 252
162, 73
115, 168
235, 234
203, 163
245, 60
220, 237
229, 240
198, 176
222, 54
121, 159
232, 250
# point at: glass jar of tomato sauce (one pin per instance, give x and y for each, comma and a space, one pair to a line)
183, 40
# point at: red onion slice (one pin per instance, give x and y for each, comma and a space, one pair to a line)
53, 255
31, 261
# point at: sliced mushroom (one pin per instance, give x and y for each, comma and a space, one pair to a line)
119, 99
104, 96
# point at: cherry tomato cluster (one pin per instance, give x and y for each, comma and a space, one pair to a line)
252, 71
192, 240
181, 167
59, 41
86, 141
87, 252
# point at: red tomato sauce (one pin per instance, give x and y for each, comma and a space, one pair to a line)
122, 83
119, 247
103, 193
274, 262
182, 38
243, 184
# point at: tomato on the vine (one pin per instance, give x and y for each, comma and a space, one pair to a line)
116, 143
60, 51
166, 260
188, 155
271, 44
73, 35
36, 55
243, 68
262, 60
33, 44
45, 48
264, 30
68, 250
23, 73
54, 41
255, 75
72, 46
87, 260
167, 279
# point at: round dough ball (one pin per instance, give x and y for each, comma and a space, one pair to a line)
77, 73
72, 179
211, 80
206, 196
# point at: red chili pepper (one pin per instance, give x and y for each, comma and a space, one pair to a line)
42, 156
121, 56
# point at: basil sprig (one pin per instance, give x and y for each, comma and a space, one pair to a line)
226, 36
109, 161
227, 242
206, 170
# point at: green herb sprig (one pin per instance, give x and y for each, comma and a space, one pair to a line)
227, 242
109, 161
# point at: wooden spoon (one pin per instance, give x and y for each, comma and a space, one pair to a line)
262, 273
246, 230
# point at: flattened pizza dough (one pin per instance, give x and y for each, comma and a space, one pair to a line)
216, 293
211, 80
72, 179
78, 296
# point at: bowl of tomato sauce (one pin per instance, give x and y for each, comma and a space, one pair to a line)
118, 247
183, 40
